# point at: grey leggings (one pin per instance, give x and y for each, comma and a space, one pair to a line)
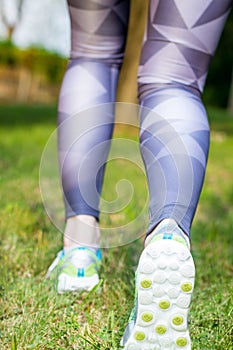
180, 39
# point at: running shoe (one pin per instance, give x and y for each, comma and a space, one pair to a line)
164, 286
75, 271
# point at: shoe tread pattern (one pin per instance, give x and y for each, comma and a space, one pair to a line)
165, 282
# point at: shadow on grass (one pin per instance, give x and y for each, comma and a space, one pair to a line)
220, 120
25, 115
21, 114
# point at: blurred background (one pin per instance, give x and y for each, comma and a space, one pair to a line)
34, 47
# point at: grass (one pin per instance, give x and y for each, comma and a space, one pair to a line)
33, 316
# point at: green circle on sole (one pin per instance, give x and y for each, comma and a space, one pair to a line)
187, 287
181, 342
164, 304
177, 320
146, 283
139, 336
160, 329
147, 317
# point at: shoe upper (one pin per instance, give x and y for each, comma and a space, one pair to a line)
77, 263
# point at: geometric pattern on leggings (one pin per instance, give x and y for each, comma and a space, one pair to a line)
181, 31
99, 28
98, 32
174, 144
181, 38
86, 84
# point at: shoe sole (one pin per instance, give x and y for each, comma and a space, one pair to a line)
165, 283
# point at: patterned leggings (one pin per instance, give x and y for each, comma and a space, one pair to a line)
180, 39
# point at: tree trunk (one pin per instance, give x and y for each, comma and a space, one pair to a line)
10, 28
10, 31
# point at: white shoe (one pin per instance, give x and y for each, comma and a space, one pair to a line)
164, 286
75, 271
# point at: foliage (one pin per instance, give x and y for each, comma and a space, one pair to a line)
220, 73
35, 59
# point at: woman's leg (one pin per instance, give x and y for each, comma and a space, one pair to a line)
98, 35
181, 39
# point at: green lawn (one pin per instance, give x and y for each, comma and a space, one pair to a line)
33, 316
